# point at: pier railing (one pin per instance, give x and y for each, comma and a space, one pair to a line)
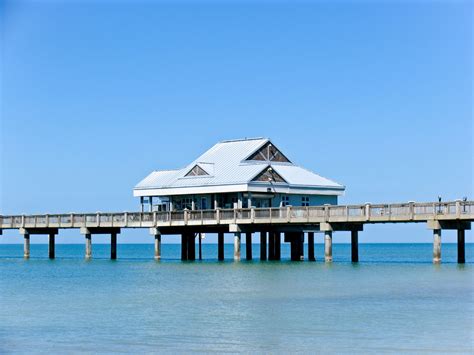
367, 213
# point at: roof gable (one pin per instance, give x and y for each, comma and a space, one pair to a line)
268, 152
268, 175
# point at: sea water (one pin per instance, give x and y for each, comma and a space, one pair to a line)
393, 300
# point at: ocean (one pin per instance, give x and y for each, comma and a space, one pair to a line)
393, 300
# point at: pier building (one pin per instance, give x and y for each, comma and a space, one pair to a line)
240, 173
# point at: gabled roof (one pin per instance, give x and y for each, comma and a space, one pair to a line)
227, 163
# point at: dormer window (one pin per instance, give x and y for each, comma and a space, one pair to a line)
269, 153
197, 171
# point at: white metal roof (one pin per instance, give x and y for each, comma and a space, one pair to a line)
226, 165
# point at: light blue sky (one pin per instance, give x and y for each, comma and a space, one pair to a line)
375, 95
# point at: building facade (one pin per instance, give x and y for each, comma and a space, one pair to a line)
236, 174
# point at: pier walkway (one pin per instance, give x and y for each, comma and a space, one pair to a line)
294, 222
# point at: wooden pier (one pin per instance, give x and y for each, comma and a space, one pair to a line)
293, 222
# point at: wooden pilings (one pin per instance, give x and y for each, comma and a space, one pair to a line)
200, 245
271, 246
263, 246
311, 256
277, 245
220, 246
248, 246
461, 246
354, 246
296, 240
157, 246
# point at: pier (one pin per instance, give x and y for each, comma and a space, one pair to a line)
294, 223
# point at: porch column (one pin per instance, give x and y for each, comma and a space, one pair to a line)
461, 247
328, 246
311, 246
220, 246
354, 246
26, 246
113, 246
248, 246
237, 246
51, 246
263, 246
88, 246
436, 246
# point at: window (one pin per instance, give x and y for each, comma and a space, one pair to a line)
305, 201
285, 200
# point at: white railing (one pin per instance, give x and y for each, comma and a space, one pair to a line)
367, 213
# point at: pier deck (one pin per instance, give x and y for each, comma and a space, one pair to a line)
293, 221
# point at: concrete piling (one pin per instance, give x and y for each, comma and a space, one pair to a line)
191, 246
26, 246
328, 246
200, 246
248, 246
263, 246
237, 246
113, 246
271, 246
51, 246
277, 243
461, 247
157, 246
88, 246
184, 247
220, 246
436, 246
311, 246
354, 246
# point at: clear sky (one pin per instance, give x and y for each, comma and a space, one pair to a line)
95, 95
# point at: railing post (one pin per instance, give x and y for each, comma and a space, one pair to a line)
367, 211
288, 213
154, 218
218, 215
23, 221
47, 220
252, 214
72, 219
235, 215
202, 222
97, 216
185, 215
347, 213
326, 212
125, 218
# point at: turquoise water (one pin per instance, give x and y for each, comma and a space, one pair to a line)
393, 300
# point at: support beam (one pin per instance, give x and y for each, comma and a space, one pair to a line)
220, 246
51, 246
248, 246
157, 246
113, 246
461, 246
237, 246
88, 245
436, 246
311, 246
328, 246
263, 246
354, 246
277, 237
271, 246
26, 246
